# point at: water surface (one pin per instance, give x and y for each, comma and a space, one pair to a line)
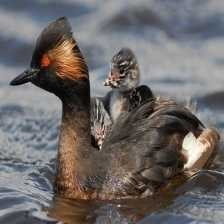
179, 45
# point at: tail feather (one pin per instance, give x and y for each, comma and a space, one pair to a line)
200, 151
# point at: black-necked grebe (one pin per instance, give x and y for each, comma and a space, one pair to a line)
144, 148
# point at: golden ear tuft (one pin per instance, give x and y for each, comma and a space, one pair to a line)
67, 60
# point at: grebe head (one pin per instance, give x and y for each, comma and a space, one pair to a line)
124, 73
57, 62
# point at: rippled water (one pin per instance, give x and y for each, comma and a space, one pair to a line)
180, 49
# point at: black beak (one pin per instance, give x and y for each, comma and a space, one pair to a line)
25, 77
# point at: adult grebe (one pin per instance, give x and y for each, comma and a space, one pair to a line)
144, 148
124, 78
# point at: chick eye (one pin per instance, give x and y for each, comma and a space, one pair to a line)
124, 63
123, 67
45, 61
123, 72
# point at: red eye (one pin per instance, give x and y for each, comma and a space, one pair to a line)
45, 61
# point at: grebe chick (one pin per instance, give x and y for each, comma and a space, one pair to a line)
125, 95
144, 148
124, 78
100, 122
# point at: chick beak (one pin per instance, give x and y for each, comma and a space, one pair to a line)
107, 81
25, 77
114, 76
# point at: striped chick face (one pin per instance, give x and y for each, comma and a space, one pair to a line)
100, 122
124, 72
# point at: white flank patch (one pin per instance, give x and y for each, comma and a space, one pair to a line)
196, 152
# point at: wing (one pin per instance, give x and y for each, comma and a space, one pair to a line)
163, 114
139, 96
145, 146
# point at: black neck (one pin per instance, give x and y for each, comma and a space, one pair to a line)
76, 112
74, 154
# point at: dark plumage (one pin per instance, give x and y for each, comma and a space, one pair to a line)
49, 38
141, 153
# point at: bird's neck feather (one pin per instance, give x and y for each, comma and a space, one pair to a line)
74, 149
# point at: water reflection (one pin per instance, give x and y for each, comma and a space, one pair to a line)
117, 211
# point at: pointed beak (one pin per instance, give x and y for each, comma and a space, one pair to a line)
114, 76
25, 77
107, 81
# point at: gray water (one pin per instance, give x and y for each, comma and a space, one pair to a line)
179, 44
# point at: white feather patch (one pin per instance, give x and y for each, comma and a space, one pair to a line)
196, 152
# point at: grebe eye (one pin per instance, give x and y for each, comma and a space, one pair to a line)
45, 61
